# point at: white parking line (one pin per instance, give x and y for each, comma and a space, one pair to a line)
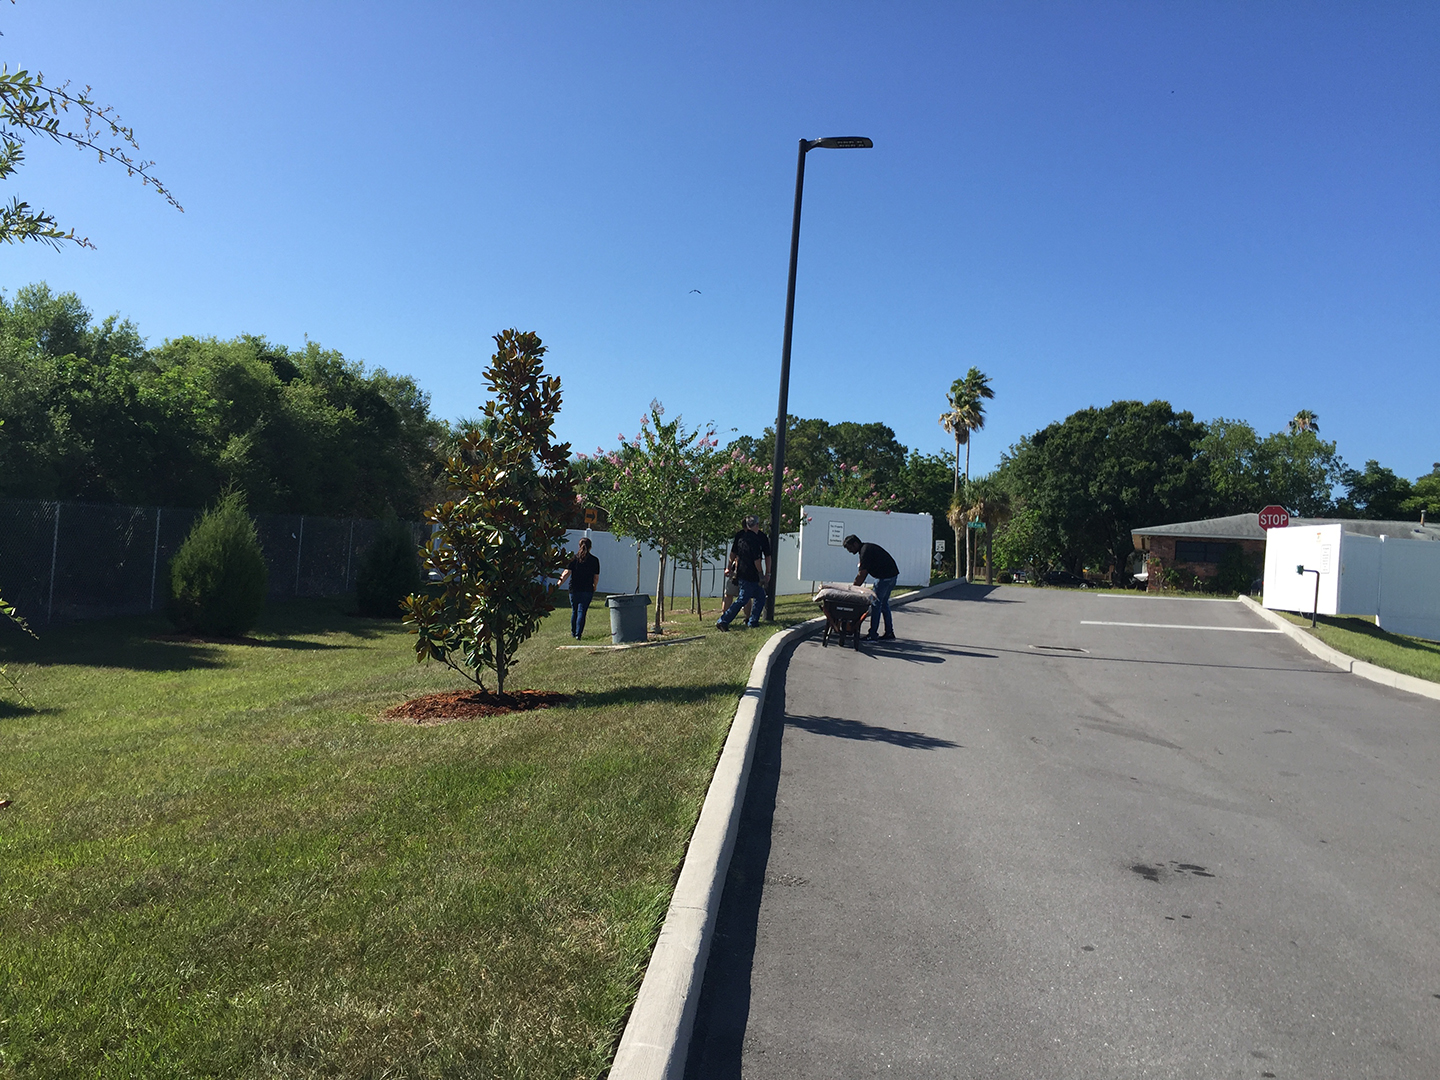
1185, 626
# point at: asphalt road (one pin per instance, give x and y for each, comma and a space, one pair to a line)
1026, 842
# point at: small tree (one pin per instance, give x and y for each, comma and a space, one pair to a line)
503, 532
389, 570
662, 488
218, 577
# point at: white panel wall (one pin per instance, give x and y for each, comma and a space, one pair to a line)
1410, 587
1359, 575
1398, 581
617, 567
1316, 547
822, 557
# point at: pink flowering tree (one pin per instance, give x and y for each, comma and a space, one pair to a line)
663, 488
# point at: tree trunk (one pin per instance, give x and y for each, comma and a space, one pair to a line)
969, 544
957, 492
500, 655
660, 593
989, 557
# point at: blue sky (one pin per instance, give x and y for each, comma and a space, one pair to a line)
1232, 206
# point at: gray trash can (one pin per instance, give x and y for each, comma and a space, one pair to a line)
628, 622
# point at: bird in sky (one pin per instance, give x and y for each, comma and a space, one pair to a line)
697, 291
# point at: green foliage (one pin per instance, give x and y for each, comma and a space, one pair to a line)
95, 416
1424, 497
29, 106
1236, 572
1295, 469
669, 487
389, 570
1091, 478
218, 577
8, 610
1375, 493
862, 464
502, 530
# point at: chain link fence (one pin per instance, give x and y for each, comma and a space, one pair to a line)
65, 561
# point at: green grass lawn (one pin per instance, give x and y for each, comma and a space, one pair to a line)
1362, 639
218, 863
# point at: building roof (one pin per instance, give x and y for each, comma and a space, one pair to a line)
1247, 527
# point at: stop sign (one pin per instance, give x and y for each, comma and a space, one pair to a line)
1274, 517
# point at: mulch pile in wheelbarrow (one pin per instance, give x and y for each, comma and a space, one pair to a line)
845, 608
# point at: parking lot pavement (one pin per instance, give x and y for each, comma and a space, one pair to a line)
1054, 834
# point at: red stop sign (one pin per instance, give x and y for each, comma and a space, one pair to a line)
1274, 517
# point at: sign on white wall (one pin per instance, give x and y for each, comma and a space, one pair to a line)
822, 535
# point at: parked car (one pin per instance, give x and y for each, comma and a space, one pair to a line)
1064, 577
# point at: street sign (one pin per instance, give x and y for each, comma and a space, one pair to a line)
939, 545
976, 525
1274, 517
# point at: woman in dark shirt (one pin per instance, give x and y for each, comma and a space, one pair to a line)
584, 575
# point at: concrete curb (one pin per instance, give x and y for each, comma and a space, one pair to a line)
1383, 676
657, 1038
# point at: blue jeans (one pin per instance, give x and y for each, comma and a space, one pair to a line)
579, 605
749, 590
881, 606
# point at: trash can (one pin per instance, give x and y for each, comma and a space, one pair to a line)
628, 621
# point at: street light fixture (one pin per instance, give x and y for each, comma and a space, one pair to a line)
833, 142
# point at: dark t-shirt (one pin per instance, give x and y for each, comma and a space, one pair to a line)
876, 562
748, 547
583, 571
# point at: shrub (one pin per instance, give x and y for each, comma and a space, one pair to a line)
218, 577
389, 571
1005, 577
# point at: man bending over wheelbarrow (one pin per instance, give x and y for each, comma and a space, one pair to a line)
876, 562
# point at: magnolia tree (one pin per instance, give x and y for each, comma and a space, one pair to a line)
662, 488
503, 530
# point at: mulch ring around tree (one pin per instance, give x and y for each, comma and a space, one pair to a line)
448, 707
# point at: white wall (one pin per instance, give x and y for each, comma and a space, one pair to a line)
617, 567
1398, 581
823, 558
1316, 547
1410, 587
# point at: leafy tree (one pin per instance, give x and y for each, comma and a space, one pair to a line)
1425, 496
1091, 478
389, 570
666, 488
1375, 493
964, 417
96, 416
984, 501
30, 107
1304, 420
502, 531
218, 577
1294, 468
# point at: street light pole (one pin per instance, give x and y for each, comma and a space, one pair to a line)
842, 142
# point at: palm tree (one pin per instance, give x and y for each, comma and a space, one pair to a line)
965, 416
1305, 420
984, 501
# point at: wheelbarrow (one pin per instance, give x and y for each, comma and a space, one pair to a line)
845, 607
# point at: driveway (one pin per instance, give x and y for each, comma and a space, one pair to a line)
1058, 834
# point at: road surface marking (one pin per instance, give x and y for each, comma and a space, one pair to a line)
1185, 626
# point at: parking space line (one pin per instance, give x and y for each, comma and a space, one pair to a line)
1184, 626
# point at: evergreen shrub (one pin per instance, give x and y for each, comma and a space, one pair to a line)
218, 577
389, 571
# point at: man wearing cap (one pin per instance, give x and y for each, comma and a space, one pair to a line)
876, 562
750, 556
